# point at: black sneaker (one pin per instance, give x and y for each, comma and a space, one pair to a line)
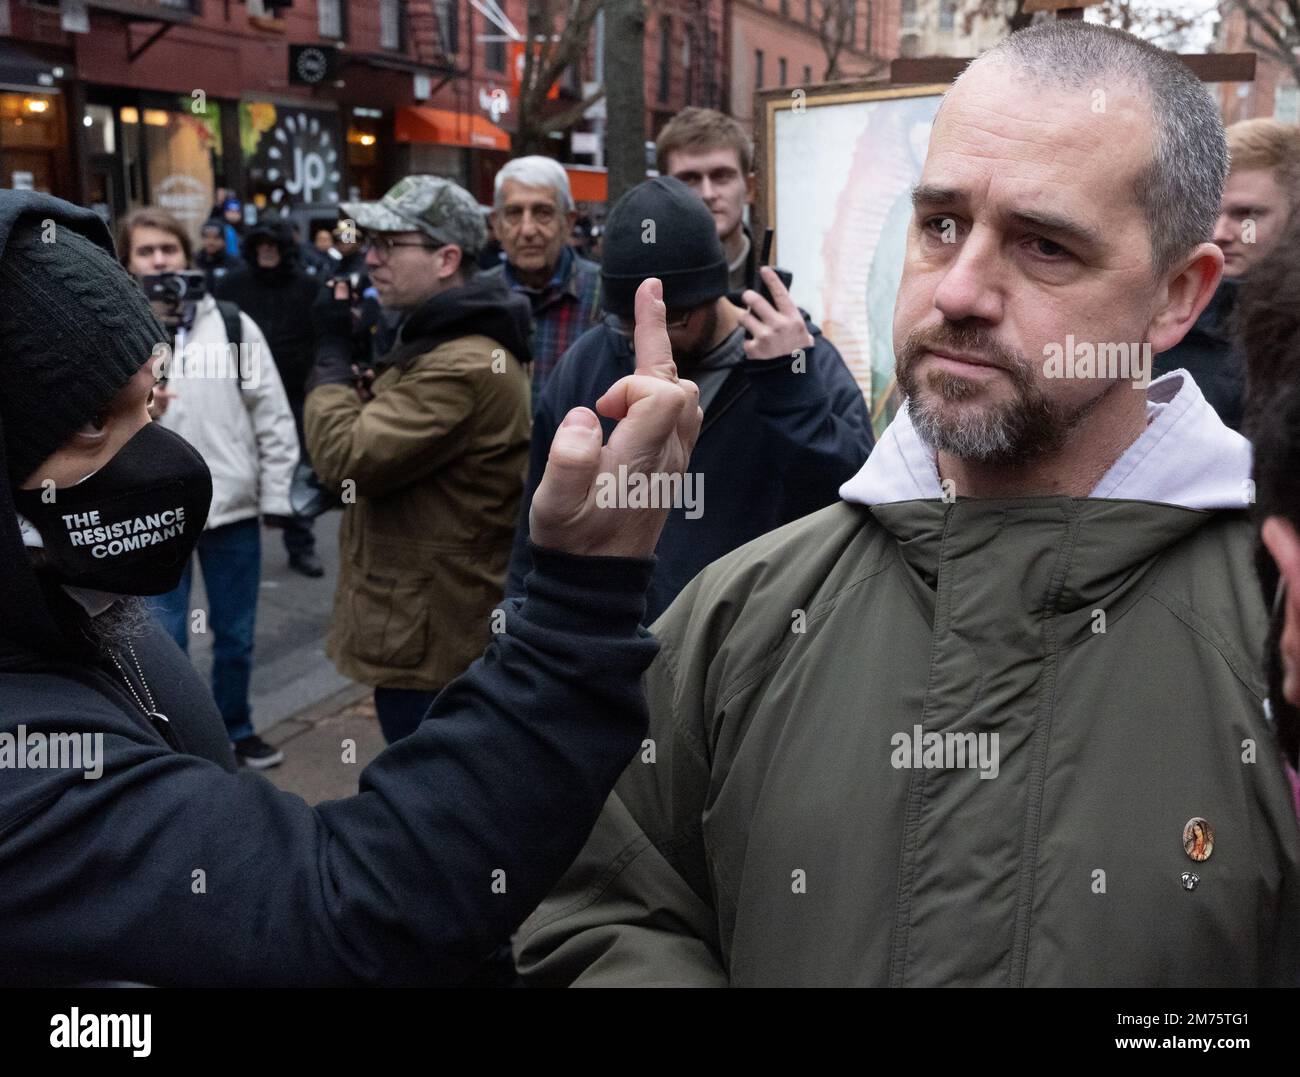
256, 753
307, 564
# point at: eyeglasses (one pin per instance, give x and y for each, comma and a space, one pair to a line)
672, 320
383, 246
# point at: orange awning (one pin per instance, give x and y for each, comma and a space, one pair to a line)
588, 184
421, 123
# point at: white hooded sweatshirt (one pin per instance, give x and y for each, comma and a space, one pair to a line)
244, 430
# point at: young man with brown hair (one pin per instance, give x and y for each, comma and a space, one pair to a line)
710, 153
1257, 201
231, 406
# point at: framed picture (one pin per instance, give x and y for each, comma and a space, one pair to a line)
836, 165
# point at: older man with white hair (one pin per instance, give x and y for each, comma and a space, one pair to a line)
533, 213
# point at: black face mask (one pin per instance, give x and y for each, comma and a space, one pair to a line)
130, 528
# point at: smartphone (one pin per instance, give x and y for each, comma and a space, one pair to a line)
765, 259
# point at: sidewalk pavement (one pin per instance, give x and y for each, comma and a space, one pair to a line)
327, 748
300, 701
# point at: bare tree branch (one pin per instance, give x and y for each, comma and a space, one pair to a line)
833, 31
557, 36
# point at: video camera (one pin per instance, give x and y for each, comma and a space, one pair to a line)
352, 280
172, 289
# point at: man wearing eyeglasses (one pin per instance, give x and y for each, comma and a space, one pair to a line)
784, 422
429, 456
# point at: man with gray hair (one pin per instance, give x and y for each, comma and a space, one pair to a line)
997, 717
533, 214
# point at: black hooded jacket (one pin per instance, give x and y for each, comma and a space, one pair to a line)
481, 305
279, 300
170, 868
1212, 354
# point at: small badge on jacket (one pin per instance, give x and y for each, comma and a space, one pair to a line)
1198, 839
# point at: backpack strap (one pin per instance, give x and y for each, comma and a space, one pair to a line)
234, 332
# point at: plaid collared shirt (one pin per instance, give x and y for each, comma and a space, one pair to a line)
566, 308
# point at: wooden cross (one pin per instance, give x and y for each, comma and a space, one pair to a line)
1208, 67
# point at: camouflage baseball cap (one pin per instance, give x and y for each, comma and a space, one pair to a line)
439, 208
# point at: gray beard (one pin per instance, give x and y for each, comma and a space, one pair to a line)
1013, 433
124, 621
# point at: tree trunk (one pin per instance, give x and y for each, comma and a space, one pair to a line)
624, 95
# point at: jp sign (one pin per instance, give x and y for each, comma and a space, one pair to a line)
295, 158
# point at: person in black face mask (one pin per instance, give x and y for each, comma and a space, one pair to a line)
101, 840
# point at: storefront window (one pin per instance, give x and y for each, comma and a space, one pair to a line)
103, 177
171, 151
182, 149
101, 136
32, 143
365, 130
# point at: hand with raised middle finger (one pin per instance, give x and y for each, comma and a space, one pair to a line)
776, 329
658, 421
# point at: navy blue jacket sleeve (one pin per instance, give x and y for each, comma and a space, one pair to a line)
544, 426
168, 870
817, 410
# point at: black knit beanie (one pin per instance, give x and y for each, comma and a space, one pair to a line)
74, 329
661, 228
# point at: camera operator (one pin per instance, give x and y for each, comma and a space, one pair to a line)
237, 416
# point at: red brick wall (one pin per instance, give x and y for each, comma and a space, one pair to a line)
1245, 100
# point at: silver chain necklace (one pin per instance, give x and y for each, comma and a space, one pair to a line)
152, 710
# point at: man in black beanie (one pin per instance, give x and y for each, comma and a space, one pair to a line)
784, 422
130, 848
275, 291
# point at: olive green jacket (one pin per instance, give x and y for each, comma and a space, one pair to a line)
437, 460
785, 825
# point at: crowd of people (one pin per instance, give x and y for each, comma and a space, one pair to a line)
1008, 698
